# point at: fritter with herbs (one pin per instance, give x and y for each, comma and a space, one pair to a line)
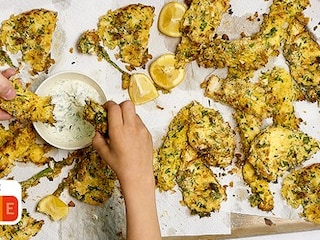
31, 33
302, 188
91, 180
21, 146
27, 228
197, 138
28, 106
95, 114
129, 29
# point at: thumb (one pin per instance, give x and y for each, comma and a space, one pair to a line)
7, 91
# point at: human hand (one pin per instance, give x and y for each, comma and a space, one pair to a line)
128, 150
7, 91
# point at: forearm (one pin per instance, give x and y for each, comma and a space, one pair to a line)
142, 219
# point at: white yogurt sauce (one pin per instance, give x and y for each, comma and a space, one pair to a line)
69, 99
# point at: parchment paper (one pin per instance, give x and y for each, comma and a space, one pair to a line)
108, 221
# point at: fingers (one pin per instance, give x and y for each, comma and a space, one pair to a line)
9, 72
7, 91
4, 115
114, 115
100, 144
120, 114
128, 112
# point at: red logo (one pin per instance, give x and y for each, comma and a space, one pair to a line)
8, 208
10, 202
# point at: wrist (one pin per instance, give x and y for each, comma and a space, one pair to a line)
137, 186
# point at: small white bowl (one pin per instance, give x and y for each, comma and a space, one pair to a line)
69, 91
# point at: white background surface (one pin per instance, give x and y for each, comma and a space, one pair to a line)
87, 222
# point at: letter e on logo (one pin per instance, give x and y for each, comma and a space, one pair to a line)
9, 208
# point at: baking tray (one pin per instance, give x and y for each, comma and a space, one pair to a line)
108, 221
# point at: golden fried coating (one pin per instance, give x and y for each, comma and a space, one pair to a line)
274, 26
239, 93
186, 51
241, 55
302, 187
202, 18
28, 106
27, 228
129, 29
244, 54
272, 95
248, 127
5, 135
197, 138
278, 149
198, 27
211, 136
201, 191
5, 59
169, 154
261, 195
302, 52
281, 92
88, 42
22, 147
91, 180
31, 33
95, 114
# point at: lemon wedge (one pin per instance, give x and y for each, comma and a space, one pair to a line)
164, 73
169, 20
141, 89
54, 207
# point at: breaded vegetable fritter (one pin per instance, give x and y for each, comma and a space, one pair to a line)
5, 135
202, 18
278, 149
95, 114
281, 92
248, 126
244, 54
198, 27
302, 52
31, 33
22, 147
169, 154
129, 29
201, 191
302, 187
274, 26
89, 43
261, 195
211, 136
27, 228
197, 138
238, 93
271, 96
240, 55
28, 106
91, 180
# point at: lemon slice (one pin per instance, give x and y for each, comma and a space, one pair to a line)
141, 89
54, 207
164, 73
169, 20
